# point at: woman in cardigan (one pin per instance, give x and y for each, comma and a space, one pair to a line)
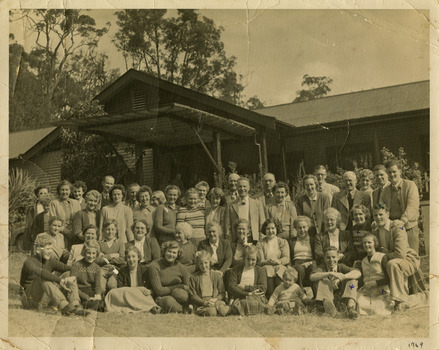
166, 215
145, 211
169, 279
313, 203
333, 236
118, 211
361, 221
216, 211
90, 215
147, 245
132, 293
274, 254
183, 234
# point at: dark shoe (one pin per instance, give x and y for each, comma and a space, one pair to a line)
329, 307
74, 310
352, 313
157, 310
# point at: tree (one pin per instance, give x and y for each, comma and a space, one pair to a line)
186, 50
316, 87
254, 103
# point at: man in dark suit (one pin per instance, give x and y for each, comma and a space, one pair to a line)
267, 197
382, 180
344, 201
232, 192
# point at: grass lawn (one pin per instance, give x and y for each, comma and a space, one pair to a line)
47, 322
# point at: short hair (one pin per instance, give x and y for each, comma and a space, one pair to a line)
375, 239
379, 167
63, 183
319, 167
191, 191
380, 206
350, 173
243, 178
185, 228
281, 184
333, 211
160, 196
93, 194
39, 188
55, 218
394, 162
202, 184
172, 187
218, 193
143, 189
234, 174
302, 218
105, 177
213, 223
46, 199
274, 177
363, 209
330, 248
92, 244
109, 222
241, 221
171, 245
202, 255
131, 247
117, 187
43, 241
88, 227
309, 176
143, 221
80, 184
250, 250
276, 223
366, 173
134, 184
290, 272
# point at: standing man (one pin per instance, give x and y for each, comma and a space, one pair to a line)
232, 193
402, 199
132, 196
382, 181
321, 174
107, 185
344, 201
267, 198
246, 208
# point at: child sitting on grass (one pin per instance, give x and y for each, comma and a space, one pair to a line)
59, 251
207, 288
88, 275
37, 279
288, 296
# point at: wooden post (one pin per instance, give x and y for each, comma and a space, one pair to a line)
216, 138
139, 162
264, 150
282, 152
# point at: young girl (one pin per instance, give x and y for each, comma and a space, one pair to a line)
113, 253
193, 215
89, 233
302, 250
207, 288
148, 247
59, 251
288, 297
183, 234
88, 274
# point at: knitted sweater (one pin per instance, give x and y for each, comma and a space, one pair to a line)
195, 218
165, 277
87, 276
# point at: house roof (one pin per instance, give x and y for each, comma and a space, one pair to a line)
27, 141
355, 105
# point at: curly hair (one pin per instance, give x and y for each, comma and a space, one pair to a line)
276, 223
302, 218
80, 184
144, 189
310, 176
147, 226
281, 184
118, 187
63, 183
333, 211
171, 245
92, 244
172, 187
363, 209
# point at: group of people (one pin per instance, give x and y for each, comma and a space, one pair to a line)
214, 252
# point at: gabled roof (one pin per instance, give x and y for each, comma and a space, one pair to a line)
355, 105
25, 143
201, 101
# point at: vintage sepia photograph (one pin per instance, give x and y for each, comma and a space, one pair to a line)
249, 175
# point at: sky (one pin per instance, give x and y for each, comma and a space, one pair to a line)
358, 49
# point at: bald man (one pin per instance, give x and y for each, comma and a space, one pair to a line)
344, 201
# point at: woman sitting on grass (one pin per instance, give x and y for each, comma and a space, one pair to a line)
132, 293
183, 234
207, 288
169, 279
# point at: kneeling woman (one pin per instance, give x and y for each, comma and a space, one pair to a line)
132, 294
170, 279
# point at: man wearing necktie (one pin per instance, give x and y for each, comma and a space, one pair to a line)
107, 185
246, 208
232, 193
344, 201
267, 198
382, 180
402, 198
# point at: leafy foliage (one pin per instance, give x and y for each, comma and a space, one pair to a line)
21, 194
254, 103
316, 87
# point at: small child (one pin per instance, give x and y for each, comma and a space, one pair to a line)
41, 221
59, 251
37, 279
88, 274
288, 296
89, 233
207, 288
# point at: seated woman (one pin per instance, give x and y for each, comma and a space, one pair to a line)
373, 297
132, 293
88, 275
166, 215
59, 251
207, 289
219, 248
313, 203
274, 254
283, 210
247, 281
203, 189
169, 279
157, 198
244, 239
90, 215
193, 215
217, 210
147, 245
183, 234
361, 226
334, 237
144, 210
118, 211
302, 250
90, 233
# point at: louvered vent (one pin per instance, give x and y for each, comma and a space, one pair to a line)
139, 100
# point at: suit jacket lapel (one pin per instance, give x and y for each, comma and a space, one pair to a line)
344, 199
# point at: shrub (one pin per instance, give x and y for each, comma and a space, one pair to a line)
21, 194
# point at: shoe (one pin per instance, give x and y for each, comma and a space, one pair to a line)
401, 307
157, 310
352, 313
329, 307
237, 308
75, 310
